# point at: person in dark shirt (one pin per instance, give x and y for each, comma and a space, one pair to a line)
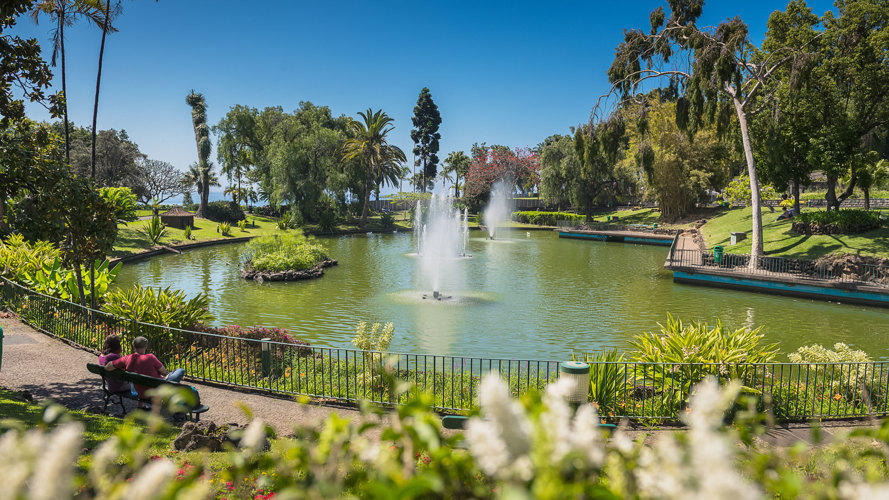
111, 351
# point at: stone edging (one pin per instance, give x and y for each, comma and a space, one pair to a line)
290, 275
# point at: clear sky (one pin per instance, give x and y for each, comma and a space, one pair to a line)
508, 73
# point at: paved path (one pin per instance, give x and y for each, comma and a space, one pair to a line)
51, 369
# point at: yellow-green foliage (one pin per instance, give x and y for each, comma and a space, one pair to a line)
377, 338
165, 307
18, 258
284, 252
697, 342
225, 228
849, 369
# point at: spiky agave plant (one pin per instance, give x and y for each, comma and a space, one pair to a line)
155, 230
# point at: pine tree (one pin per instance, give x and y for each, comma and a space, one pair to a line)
426, 121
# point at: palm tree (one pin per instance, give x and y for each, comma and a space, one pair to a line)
196, 176
105, 28
65, 13
368, 143
202, 140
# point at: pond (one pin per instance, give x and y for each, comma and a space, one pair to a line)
525, 296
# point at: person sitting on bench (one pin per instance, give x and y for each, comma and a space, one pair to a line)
111, 350
144, 363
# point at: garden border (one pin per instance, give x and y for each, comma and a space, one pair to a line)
647, 392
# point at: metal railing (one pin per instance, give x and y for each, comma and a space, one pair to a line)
780, 267
637, 390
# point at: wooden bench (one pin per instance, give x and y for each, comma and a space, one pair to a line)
458, 422
137, 378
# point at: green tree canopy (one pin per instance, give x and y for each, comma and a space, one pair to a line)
426, 121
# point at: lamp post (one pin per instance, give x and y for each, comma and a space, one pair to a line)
580, 373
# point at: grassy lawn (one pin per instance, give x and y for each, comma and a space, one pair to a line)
132, 240
97, 428
779, 240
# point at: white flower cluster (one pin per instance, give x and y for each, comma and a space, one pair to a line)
502, 440
703, 467
39, 465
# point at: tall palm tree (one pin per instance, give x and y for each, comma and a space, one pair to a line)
105, 28
368, 143
196, 176
202, 140
65, 13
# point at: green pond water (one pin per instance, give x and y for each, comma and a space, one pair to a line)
529, 296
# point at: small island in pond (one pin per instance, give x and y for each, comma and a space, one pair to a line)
288, 256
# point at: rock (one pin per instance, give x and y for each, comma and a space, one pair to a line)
856, 267
292, 275
203, 435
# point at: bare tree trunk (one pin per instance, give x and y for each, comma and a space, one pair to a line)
367, 187
866, 198
98, 81
64, 85
831, 195
795, 192
756, 246
92, 284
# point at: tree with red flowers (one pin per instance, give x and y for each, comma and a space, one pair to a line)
490, 165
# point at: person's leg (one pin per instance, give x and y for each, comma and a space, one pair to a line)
176, 375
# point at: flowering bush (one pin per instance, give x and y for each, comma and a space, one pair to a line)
849, 369
537, 447
520, 167
283, 348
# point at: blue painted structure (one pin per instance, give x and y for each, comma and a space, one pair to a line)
828, 291
654, 239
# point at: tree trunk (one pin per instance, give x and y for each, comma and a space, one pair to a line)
795, 192
64, 85
756, 240
866, 198
3, 225
424, 175
98, 81
831, 195
92, 284
367, 187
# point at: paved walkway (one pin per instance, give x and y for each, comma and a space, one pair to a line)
51, 369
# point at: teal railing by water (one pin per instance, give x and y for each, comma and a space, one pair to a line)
640, 391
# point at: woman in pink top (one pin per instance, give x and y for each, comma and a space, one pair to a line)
111, 350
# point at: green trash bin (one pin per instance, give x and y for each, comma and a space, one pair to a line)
717, 254
654, 225
608, 218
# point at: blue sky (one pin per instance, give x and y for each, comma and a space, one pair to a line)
501, 72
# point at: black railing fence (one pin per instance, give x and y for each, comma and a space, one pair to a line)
642, 391
867, 274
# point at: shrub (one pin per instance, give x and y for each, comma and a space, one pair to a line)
53, 280
225, 228
699, 350
164, 307
19, 257
387, 221
123, 200
224, 211
284, 252
187, 232
845, 378
836, 222
242, 225
546, 218
283, 347
327, 220
154, 229
377, 338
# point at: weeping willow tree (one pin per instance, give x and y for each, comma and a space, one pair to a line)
202, 140
598, 148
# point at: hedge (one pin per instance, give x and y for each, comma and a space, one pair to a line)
546, 218
836, 222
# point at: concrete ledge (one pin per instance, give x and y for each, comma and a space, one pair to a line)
620, 236
839, 292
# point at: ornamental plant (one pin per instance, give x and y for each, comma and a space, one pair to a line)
284, 252
225, 228
520, 166
696, 350
850, 370
19, 257
164, 307
377, 338
154, 229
